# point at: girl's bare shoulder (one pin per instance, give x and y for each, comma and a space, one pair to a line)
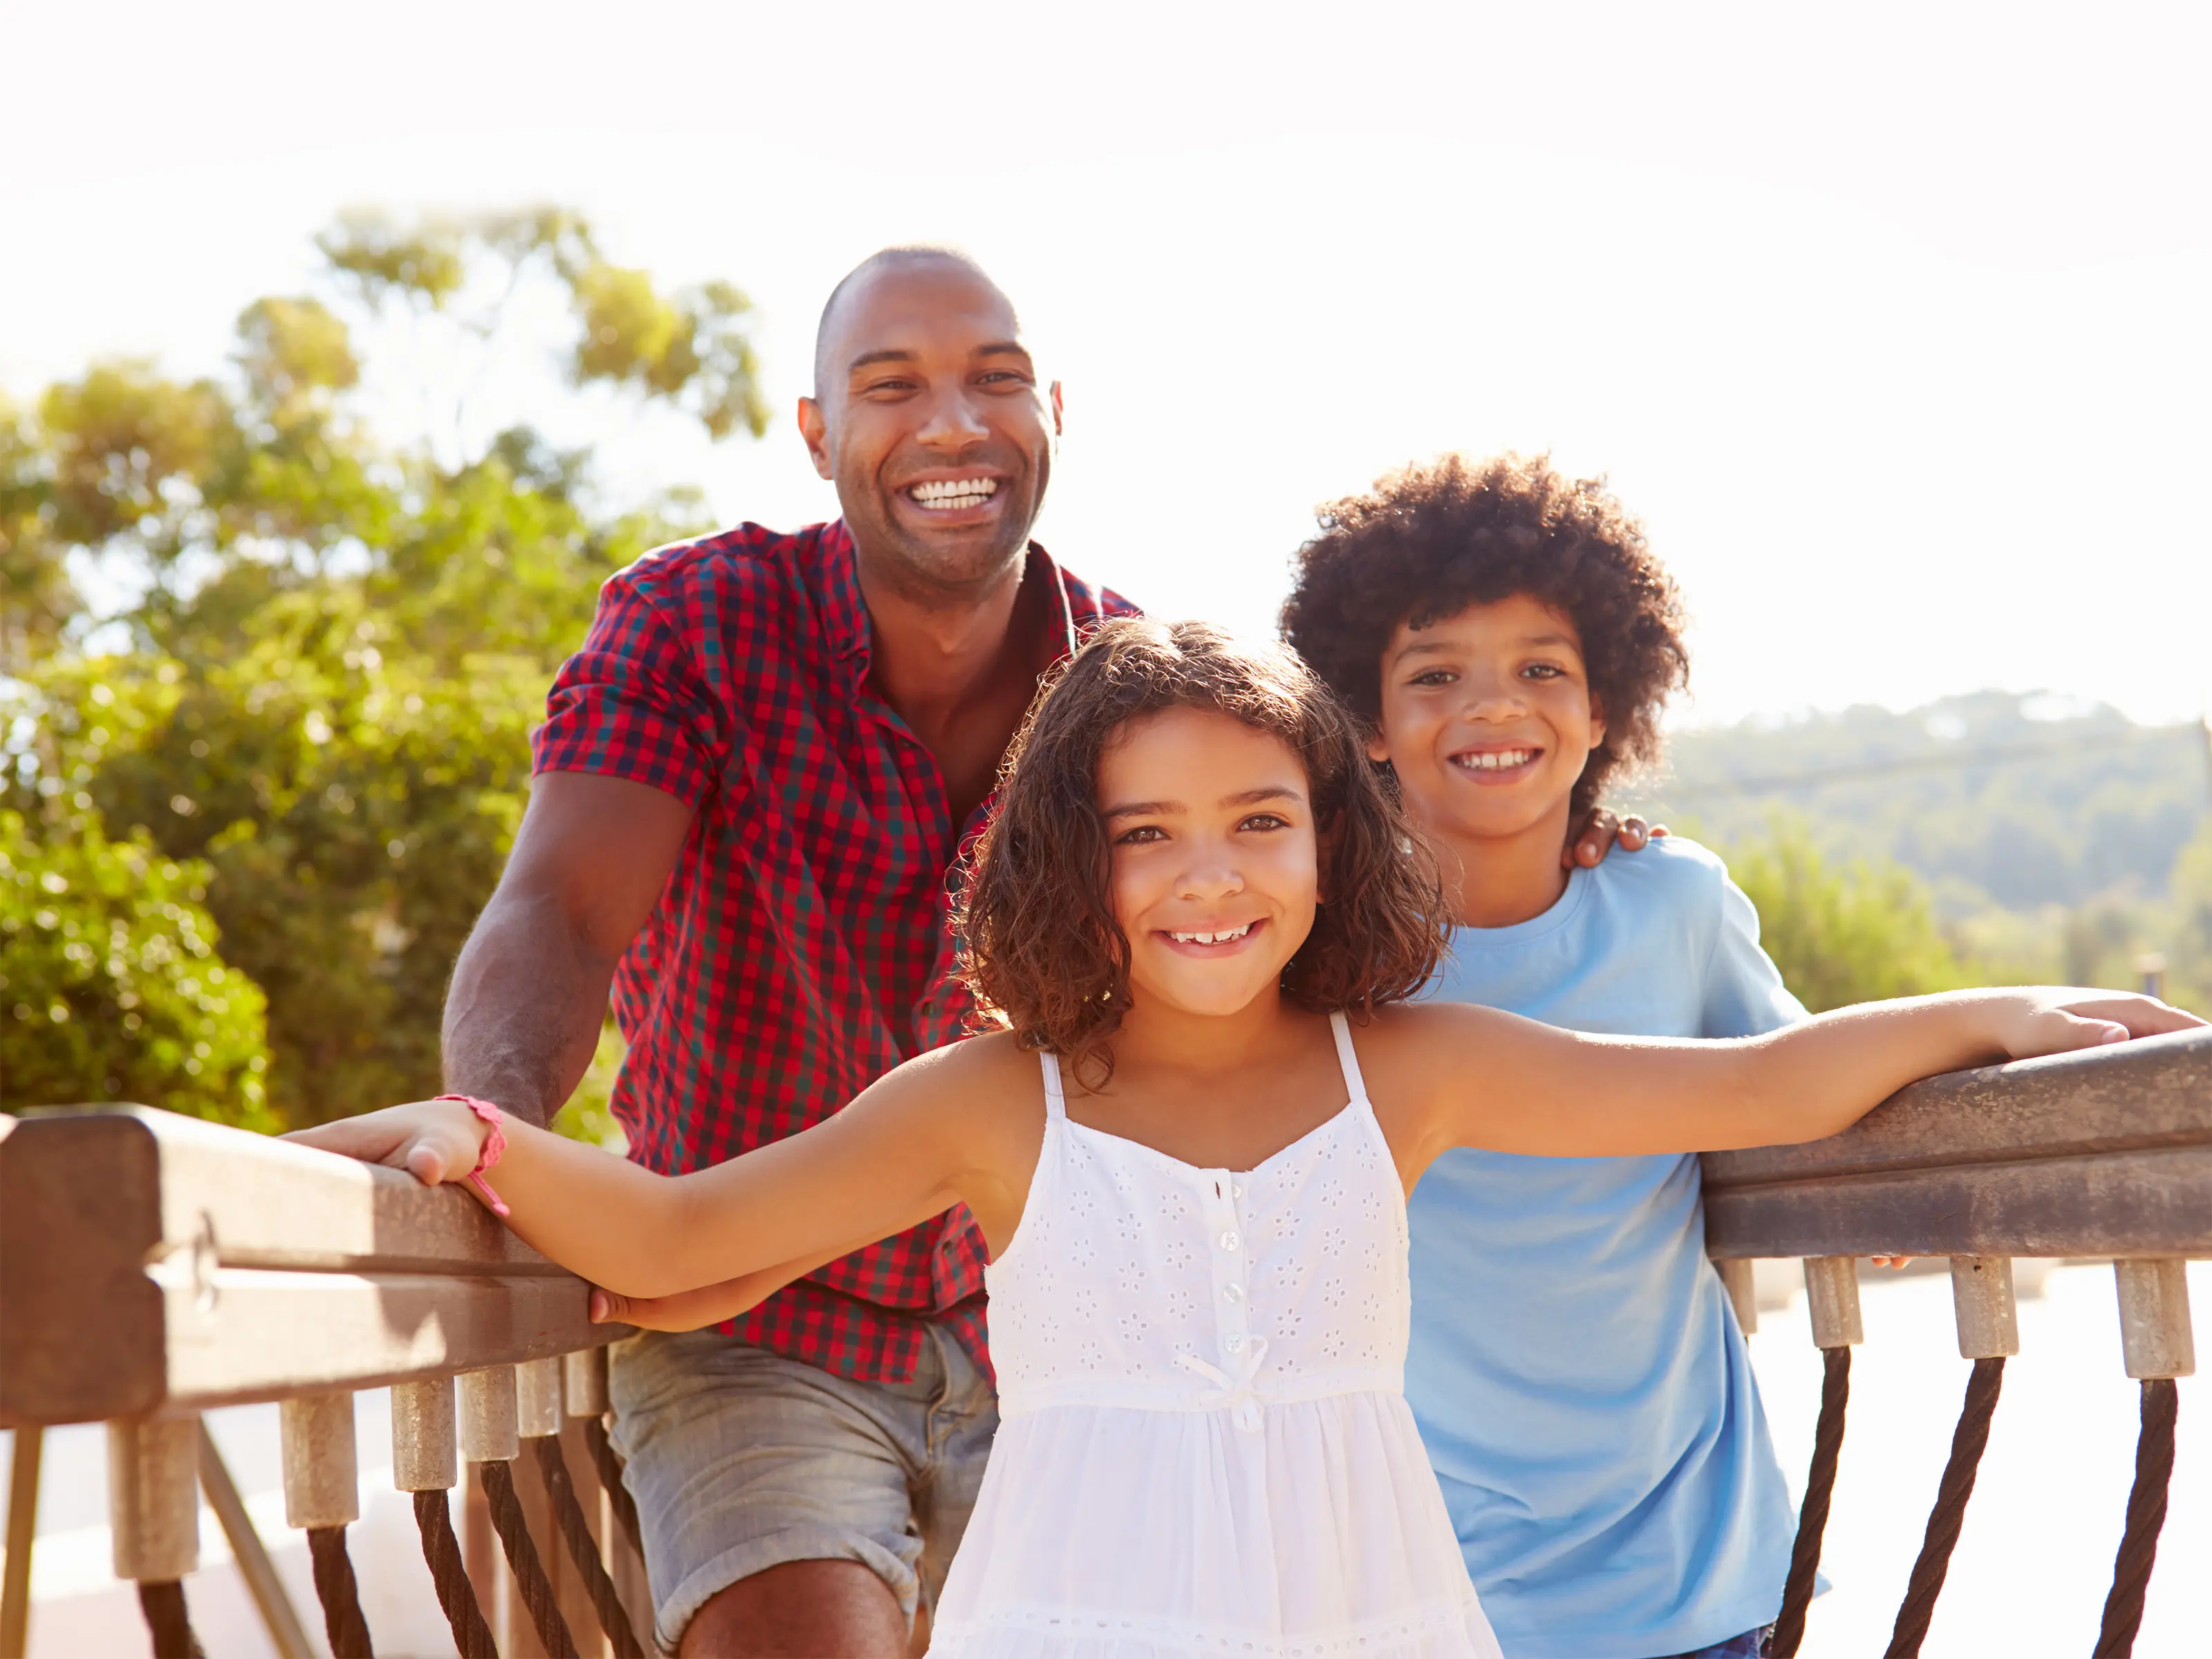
990, 1076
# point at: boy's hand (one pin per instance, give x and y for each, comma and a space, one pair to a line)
433, 1140
1599, 834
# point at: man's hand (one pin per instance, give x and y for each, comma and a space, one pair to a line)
1600, 833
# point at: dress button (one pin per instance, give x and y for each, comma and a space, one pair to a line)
1235, 1343
1233, 1292
1235, 1190
1228, 1241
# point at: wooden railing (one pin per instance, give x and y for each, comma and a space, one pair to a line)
2104, 1154
154, 1266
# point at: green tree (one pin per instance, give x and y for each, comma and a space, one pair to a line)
341, 643
110, 985
1843, 933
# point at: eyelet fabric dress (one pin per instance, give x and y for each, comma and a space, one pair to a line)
1204, 1448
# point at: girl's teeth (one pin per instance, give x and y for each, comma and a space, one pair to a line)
1222, 938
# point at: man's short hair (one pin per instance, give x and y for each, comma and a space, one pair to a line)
1427, 542
882, 258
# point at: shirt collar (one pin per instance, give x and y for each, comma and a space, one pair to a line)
845, 611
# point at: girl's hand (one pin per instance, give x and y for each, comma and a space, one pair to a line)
687, 1310
433, 1140
2044, 1019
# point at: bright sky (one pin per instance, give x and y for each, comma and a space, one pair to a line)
1891, 320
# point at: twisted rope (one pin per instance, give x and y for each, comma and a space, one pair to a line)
522, 1556
2145, 1516
1950, 1514
449, 1574
610, 1476
340, 1597
166, 1621
1813, 1514
584, 1550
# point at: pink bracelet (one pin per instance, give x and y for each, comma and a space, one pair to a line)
495, 1145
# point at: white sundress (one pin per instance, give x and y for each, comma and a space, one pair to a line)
1204, 1447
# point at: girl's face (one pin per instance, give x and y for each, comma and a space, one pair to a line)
1487, 719
1215, 857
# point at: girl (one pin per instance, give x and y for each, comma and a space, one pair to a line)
1191, 1177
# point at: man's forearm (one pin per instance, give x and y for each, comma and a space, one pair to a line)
525, 1009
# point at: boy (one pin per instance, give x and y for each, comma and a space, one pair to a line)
1580, 1382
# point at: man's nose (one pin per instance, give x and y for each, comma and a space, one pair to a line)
952, 421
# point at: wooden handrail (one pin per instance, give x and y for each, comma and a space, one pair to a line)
157, 1265
2103, 1152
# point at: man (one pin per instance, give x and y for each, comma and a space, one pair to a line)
752, 784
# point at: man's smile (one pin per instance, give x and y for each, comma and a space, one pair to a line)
958, 493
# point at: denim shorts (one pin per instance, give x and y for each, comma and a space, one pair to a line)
741, 1460
1749, 1645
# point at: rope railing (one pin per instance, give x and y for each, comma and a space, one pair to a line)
2104, 1154
152, 1267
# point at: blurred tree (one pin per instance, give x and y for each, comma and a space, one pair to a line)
339, 646
1843, 933
110, 985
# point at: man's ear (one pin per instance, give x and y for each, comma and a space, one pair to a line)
814, 428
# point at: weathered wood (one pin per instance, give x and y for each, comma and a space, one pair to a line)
2107, 1151
1988, 1315
2155, 1338
153, 1498
227, 1267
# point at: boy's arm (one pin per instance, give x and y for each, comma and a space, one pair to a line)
928, 1135
1535, 1089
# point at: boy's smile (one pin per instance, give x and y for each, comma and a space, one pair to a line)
1487, 721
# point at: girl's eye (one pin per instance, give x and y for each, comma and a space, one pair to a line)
1434, 676
1264, 821
1138, 836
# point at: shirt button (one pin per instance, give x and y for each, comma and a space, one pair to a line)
1233, 1292
1235, 1190
1234, 1344
1228, 1241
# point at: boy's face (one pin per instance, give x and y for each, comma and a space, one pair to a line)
1487, 719
1215, 857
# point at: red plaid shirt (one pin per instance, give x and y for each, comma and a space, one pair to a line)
802, 947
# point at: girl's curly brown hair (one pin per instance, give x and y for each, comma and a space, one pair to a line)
1427, 542
1039, 946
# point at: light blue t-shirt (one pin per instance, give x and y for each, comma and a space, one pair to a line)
1576, 1368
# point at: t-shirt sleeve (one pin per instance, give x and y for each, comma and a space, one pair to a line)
1744, 992
632, 704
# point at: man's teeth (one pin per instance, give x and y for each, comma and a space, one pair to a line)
1222, 938
949, 492
1496, 760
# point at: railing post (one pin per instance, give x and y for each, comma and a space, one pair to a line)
2156, 1342
1740, 1280
1988, 1315
1832, 1299
422, 1457
154, 1497
2157, 1347
322, 1481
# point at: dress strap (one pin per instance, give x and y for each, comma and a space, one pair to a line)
1055, 1103
1354, 1083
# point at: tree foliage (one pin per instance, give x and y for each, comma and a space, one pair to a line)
1843, 933
318, 718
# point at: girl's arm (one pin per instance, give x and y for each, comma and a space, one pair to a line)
948, 1126
710, 1304
1532, 1088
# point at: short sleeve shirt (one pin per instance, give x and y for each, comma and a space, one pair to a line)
803, 946
1577, 1373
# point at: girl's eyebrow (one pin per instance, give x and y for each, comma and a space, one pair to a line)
1146, 808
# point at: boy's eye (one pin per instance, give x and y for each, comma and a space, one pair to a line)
1543, 671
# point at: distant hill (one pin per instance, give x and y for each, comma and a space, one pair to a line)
1997, 800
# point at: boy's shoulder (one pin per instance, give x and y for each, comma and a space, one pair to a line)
1673, 872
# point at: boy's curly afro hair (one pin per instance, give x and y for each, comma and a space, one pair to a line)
1427, 542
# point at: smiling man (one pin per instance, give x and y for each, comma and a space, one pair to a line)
752, 782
